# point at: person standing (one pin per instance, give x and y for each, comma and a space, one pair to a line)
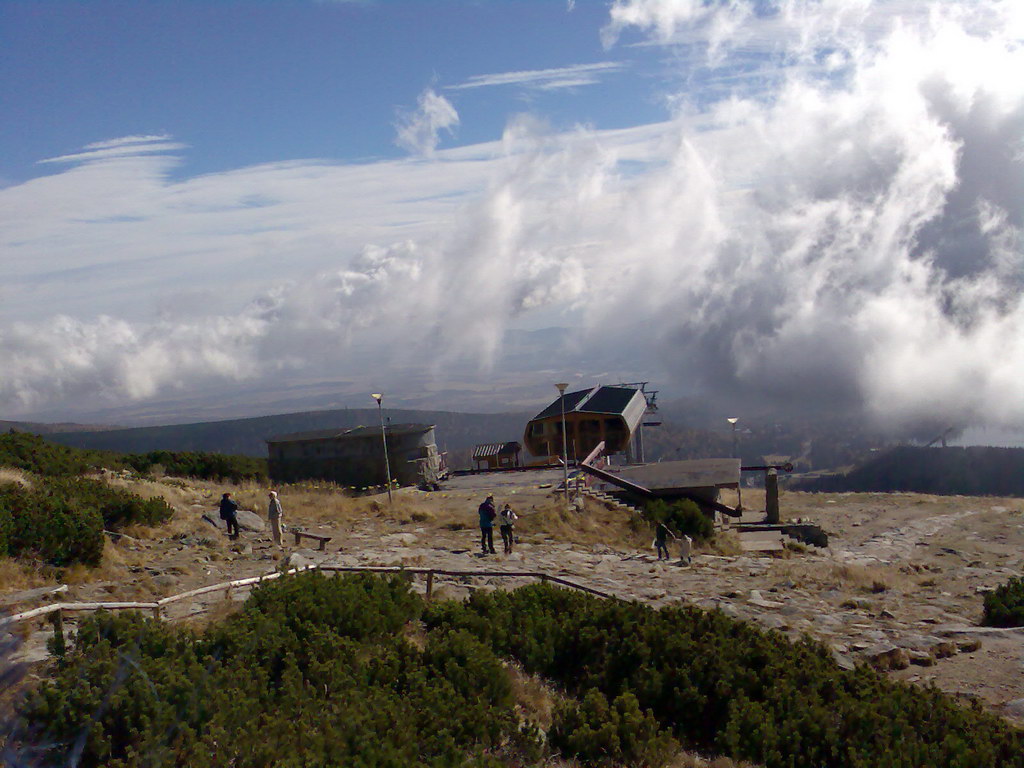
229, 514
661, 534
685, 549
274, 514
508, 521
487, 515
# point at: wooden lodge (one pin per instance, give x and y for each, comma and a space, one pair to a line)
497, 455
600, 414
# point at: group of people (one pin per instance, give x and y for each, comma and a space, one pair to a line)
229, 514
489, 513
506, 522
661, 536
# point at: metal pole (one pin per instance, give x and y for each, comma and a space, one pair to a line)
384, 439
565, 447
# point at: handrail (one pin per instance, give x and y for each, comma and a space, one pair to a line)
156, 605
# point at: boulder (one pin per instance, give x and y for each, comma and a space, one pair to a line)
295, 560
247, 521
250, 521
214, 519
921, 658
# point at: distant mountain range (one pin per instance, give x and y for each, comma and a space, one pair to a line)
456, 433
39, 428
686, 432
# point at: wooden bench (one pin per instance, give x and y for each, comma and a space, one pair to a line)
322, 539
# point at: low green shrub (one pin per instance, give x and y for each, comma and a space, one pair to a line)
726, 687
56, 530
204, 466
32, 453
683, 517
1004, 607
313, 672
596, 732
60, 520
117, 506
6, 528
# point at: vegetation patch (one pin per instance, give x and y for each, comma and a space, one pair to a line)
314, 671
1004, 607
683, 517
60, 520
721, 686
32, 453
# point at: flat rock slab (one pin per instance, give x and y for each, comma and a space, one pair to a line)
32, 595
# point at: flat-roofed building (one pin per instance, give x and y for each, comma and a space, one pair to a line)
599, 414
355, 457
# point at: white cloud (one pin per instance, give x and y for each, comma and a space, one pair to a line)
129, 146
850, 242
418, 130
544, 79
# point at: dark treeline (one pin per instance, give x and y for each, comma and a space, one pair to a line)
977, 471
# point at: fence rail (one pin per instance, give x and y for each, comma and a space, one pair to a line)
156, 607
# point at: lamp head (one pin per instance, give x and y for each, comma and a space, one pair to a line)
733, 420
378, 397
560, 386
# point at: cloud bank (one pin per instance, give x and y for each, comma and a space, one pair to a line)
847, 239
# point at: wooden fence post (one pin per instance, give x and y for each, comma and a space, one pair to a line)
430, 584
57, 620
156, 612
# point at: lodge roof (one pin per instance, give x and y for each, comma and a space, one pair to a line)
485, 450
600, 399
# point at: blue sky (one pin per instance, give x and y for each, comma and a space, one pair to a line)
250, 82
775, 205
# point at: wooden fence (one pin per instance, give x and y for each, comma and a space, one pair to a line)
56, 611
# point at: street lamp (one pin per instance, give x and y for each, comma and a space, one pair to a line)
735, 438
384, 437
565, 449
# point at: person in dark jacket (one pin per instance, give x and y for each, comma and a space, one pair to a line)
229, 514
661, 535
487, 514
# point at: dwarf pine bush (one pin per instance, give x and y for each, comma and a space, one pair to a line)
1004, 606
726, 687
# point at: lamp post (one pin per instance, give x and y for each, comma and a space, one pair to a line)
384, 438
565, 450
735, 439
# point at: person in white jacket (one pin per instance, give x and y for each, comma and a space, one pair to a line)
508, 521
275, 513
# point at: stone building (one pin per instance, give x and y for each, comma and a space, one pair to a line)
355, 457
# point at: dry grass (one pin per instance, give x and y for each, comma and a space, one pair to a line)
866, 578
535, 698
11, 475
16, 575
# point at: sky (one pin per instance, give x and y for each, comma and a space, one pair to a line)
776, 206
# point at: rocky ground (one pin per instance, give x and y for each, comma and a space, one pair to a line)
899, 586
